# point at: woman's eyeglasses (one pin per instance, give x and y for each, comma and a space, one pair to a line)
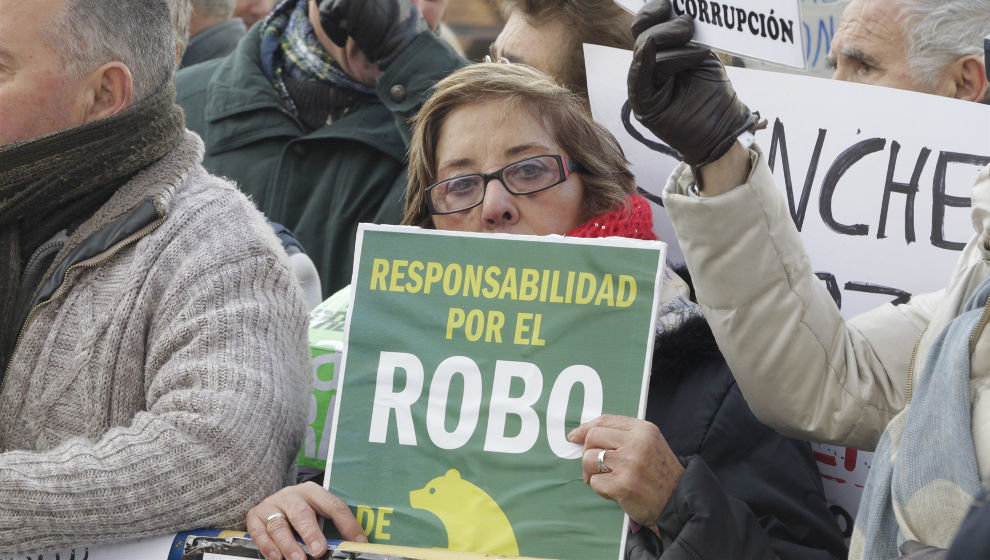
526, 176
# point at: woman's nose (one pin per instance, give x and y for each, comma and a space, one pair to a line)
498, 210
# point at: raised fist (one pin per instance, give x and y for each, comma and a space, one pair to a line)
681, 91
381, 28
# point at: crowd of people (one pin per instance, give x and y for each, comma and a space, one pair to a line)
153, 349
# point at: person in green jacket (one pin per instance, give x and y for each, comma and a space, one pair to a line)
308, 115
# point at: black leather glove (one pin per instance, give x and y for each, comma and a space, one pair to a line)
681, 92
382, 29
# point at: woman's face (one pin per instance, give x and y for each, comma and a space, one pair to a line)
476, 138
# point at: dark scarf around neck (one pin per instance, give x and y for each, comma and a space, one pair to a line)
311, 83
57, 181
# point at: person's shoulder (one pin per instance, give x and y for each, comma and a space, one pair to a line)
192, 85
194, 80
201, 188
213, 209
231, 71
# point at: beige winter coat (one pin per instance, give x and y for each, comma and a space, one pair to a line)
802, 368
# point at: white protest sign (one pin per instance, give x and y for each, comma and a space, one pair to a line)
819, 21
765, 29
878, 181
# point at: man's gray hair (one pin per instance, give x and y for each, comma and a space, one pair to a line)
215, 8
181, 18
138, 33
939, 32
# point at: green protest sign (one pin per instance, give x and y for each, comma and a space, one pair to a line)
326, 342
468, 358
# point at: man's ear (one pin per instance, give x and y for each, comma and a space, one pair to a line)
968, 78
110, 91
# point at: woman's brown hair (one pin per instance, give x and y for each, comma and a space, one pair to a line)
604, 170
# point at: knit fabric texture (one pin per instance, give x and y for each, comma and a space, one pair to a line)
635, 221
164, 388
52, 183
924, 474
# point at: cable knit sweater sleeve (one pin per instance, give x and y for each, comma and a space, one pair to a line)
165, 391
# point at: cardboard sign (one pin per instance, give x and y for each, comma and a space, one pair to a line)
878, 181
765, 29
468, 359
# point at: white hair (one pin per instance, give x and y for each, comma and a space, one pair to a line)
940, 32
138, 33
214, 8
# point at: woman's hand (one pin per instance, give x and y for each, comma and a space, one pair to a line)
299, 505
642, 471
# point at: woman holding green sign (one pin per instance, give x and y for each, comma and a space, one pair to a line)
500, 148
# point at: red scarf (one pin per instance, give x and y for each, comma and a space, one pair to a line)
634, 221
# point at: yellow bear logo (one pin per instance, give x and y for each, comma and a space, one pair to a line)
472, 519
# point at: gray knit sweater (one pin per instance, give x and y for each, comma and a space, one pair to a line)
164, 387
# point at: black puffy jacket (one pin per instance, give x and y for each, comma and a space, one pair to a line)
747, 492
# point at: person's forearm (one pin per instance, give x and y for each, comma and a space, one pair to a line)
225, 414
725, 173
150, 478
704, 519
776, 325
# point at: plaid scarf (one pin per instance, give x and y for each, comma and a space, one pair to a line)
312, 85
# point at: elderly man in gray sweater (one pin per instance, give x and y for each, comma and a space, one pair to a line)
153, 369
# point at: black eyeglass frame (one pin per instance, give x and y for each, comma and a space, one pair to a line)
565, 166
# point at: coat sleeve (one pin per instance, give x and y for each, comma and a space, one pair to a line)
225, 375
749, 493
803, 369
